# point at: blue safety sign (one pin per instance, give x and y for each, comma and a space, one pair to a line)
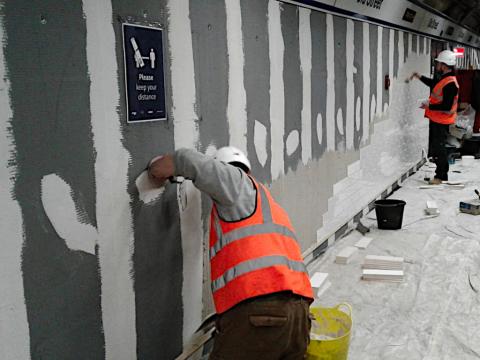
144, 76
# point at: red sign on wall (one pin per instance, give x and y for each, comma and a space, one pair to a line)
459, 52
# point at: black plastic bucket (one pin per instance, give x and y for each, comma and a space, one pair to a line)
389, 213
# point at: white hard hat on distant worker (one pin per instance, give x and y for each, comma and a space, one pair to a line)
447, 57
232, 155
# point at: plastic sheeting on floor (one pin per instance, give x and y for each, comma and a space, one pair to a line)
435, 313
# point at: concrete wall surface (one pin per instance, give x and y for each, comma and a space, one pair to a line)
87, 269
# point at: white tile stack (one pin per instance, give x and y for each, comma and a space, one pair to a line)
363, 242
345, 255
385, 268
432, 208
383, 275
320, 283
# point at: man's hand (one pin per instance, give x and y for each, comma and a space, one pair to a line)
161, 169
415, 75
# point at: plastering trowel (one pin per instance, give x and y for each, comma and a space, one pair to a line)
471, 206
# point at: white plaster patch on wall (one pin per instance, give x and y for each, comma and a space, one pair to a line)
186, 135
373, 106
388, 164
358, 113
237, 97
60, 208
293, 139
390, 63
305, 40
379, 70
260, 141
148, 192
340, 121
385, 157
319, 128
330, 111
277, 91
14, 331
366, 81
211, 150
114, 219
350, 108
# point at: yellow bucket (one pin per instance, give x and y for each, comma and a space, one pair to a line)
330, 333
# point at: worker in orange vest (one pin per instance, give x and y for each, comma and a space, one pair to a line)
260, 285
441, 110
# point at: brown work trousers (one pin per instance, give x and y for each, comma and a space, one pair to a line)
271, 327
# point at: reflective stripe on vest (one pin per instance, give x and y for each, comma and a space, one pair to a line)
256, 264
268, 227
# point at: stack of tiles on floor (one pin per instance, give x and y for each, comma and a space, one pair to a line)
363, 242
320, 283
386, 268
432, 208
383, 275
345, 255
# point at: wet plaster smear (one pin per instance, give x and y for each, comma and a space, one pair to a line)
91, 266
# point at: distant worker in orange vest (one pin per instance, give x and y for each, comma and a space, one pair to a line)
441, 110
260, 285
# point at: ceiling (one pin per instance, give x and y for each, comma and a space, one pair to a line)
463, 12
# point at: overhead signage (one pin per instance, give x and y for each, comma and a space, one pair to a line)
433, 23
404, 14
144, 73
409, 15
376, 4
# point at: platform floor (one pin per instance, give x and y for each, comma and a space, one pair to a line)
435, 312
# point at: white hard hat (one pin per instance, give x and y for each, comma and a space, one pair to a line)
230, 154
447, 57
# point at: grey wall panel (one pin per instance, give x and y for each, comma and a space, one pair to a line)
46, 59
319, 84
406, 50
292, 78
358, 80
373, 65
157, 255
395, 53
340, 33
422, 44
414, 43
257, 78
386, 65
208, 20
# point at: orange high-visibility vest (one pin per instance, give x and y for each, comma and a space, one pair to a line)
436, 97
255, 256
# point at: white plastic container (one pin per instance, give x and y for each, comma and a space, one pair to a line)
467, 160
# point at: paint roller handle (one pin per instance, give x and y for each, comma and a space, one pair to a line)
478, 193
